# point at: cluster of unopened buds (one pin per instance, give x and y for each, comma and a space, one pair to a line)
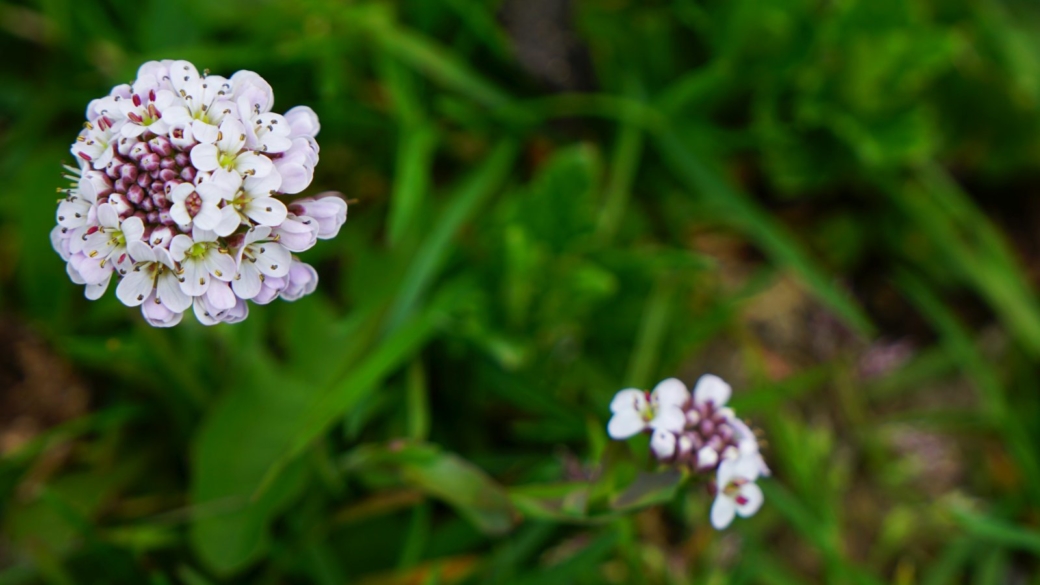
177, 195
700, 433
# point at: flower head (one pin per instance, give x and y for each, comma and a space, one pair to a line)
699, 433
179, 193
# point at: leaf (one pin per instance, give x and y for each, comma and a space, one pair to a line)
444, 476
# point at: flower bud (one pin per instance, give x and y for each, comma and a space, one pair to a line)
328, 209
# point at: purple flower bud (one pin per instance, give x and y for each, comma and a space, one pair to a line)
153, 216
167, 163
139, 151
165, 218
183, 159
159, 199
302, 280
303, 122
161, 236
188, 174
269, 289
128, 173
147, 205
329, 209
150, 162
297, 234
135, 194
707, 427
157, 314
167, 175
161, 145
121, 204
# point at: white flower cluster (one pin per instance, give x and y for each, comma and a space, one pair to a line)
177, 195
698, 432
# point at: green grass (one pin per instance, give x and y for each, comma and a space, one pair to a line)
830, 204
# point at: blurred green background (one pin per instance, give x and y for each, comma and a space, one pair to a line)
832, 204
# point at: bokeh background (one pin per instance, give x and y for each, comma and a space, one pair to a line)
832, 204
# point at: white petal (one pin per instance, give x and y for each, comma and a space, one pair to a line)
136, 286
132, 228
170, 293
178, 116
181, 192
232, 137
208, 218
220, 265
95, 291
295, 177
74, 274
179, 245
247, 282
671, 392
753, 500
220, 296
266, 211
157, 315
251, 164
179, 213
669, 418
663, 444
262, 186
711, 388
747, 468
195, 278
140, 251
107, 216
625, 424
204, 157
722, 512
629, 399
272, 258
202, 312
726, 473
303, 121
229, 221
203, 132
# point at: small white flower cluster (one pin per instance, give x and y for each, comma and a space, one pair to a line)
698, 432
176, 194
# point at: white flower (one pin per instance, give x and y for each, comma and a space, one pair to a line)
205, 102
94, 142
229, 153
197, 205
108, 243
201, 260
269, 133
635, 411
249, 201
259, 257
737, 492
152, 279
143, 110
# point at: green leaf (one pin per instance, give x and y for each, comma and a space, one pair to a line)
444, 476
